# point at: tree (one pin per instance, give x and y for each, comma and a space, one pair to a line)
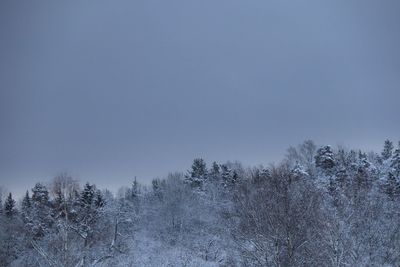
42, 218
325, 158
40, 194
387, 150
392, 186
26, 207
99, 200
26, 202
9, 206
133, 193
157, 185
198, 173
303, 154
215, 171
88, 225
199, 168
280, 222
10, 233
396, 161
226, 174
87, 195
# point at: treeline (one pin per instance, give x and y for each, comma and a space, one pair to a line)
321, 206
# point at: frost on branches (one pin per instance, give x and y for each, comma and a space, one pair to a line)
321, 206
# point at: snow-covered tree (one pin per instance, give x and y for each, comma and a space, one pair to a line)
325, 158
198, 173
215, 172
395, 164
99, 200
387, 150
392, 186
42, 218
9, 206
40, 194
26, 208
341, 210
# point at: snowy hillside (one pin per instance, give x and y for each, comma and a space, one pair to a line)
319, 207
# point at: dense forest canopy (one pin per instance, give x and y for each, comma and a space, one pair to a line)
321, 206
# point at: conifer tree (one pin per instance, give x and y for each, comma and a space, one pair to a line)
325, 158
42, 218
229, 176
387, 150
87, 195
26, 205
199, 168
215, 171
40, 194
396, 161
26, 201
198, 174
9, 206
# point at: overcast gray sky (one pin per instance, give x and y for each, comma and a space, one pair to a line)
109, 90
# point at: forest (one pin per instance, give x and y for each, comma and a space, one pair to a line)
319, 206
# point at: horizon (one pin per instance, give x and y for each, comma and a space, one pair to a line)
18, 194
110, 91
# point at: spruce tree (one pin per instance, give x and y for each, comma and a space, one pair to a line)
42, 218
325, 158
228, 176
9, 206
40, 194
26, 201
387, 150
26, 204
26, 208
87, 195
198, 174
199, 168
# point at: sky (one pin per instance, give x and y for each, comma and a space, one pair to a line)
110, 90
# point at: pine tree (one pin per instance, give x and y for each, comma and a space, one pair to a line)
26, 204
198, 174
87, 195
26, 208
9, 206
40, 194
42, 218
325, 158
387, 150
229, 177
199, 168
